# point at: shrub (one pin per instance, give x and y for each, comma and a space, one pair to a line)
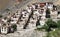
50, 24
58, 23
1, 16
14, 27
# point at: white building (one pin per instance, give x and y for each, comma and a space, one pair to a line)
53, 14
4, 28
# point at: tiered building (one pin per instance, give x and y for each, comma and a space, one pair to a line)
28, 18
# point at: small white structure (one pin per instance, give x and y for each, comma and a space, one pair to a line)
33, 6
4, 28
13, 22
4, 20
42, 22
50, 6
32, 23
53, 14
58, 16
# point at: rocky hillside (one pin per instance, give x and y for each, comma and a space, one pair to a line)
3, 3
57, 2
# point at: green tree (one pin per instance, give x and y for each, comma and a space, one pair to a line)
50, 24
58, 24
14, 27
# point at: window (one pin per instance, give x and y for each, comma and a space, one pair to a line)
2, 28
58, 12
5, 29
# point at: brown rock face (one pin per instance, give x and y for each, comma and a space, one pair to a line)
3, 4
